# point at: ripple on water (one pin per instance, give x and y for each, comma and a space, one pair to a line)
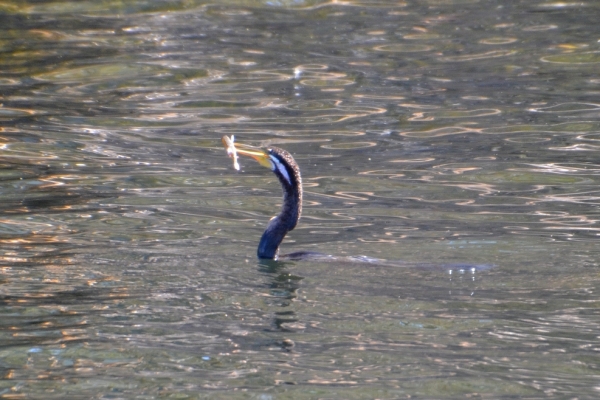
576, 127
378, 97
7, 113
528, 139
315, 112
420, 106
479, 56
454, 169
413, 160
591, 57
576, 147
439, 132
253, 77
231, 12
349, 145
538, 28
241, 63
422, 36
475, 98
287, 133
576, 169
317, 75
378, 3
216, 104
311, 67
449, 114
100, 72
403, 48
327, 82
498, 40
563, 108
382, 172
591, 137
9, 82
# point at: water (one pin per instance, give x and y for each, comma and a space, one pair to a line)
433, 132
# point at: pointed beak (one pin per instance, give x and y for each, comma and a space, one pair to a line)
260, 155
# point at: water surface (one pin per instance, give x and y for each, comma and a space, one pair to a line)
435, 132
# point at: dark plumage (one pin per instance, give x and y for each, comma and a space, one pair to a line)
285, 168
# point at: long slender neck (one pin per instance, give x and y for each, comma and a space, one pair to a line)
287, 219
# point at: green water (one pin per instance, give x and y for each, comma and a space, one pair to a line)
430, 132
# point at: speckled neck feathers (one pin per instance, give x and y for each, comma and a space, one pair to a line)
288, 173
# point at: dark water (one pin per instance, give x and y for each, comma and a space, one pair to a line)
431, 132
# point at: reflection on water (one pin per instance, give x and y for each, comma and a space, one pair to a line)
433, 133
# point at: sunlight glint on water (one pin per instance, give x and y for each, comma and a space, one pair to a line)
429, 134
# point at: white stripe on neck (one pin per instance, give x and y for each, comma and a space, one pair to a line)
277, 165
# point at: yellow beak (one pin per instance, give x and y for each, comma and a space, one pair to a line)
233, 149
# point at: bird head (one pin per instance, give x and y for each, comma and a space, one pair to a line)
277, 160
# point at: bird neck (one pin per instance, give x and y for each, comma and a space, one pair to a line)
287, 219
